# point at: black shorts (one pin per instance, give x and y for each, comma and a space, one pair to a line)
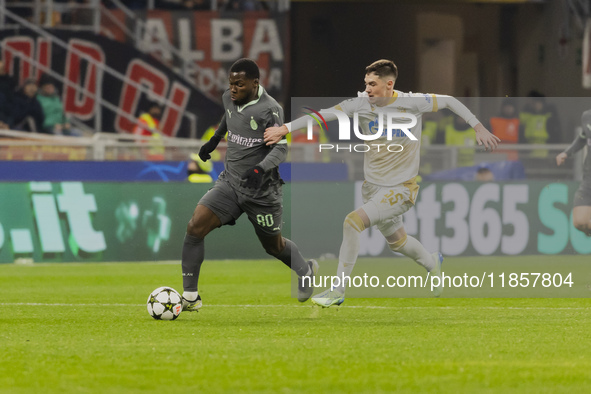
583, 195
265, 213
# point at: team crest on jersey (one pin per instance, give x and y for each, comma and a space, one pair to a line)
253, 123
374, 125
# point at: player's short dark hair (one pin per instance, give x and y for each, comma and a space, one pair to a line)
248, 66
383, 68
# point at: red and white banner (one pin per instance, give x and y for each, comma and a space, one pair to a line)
211, 42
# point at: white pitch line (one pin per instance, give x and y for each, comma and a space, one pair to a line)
308, 306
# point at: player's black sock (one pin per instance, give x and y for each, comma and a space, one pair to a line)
292, 257
192, 258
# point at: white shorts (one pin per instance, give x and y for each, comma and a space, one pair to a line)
384, 206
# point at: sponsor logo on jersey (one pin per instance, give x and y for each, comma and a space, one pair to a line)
243, 141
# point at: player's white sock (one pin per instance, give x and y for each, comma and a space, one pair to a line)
344, 273
349, 248
411, 247
190, 295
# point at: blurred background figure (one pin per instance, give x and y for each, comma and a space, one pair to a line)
540, 123
8, 87
27, 112
484, 174
431, 126
199, 171
459, 133
149, 120
149, 125
506, 126
55, 119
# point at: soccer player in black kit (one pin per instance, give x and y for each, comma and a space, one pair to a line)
249, 184
582, 201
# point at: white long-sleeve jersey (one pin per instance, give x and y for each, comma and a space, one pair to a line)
392, 167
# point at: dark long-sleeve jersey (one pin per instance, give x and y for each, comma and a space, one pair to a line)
583, 139
246, 126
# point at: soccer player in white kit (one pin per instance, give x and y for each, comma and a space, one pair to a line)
390, 188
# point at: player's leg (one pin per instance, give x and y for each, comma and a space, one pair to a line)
380, 203
202, 223
399, 241
355, 222
284, 250
217, 207
582, 209
582, 219
266, 215
287, 252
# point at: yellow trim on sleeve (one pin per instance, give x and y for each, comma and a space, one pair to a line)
435, 106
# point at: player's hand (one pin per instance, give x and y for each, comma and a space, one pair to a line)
486, 138
561, 158
208, 147
253, 177
274, 134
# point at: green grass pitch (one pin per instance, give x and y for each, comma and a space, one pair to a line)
84, 328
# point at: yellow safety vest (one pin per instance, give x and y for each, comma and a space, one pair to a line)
200, 178
454, 137
536, 130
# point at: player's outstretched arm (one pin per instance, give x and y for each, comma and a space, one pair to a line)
578, 144
274, 134
209, 146
483, 136
486, 138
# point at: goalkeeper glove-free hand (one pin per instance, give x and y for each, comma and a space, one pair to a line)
208, 147
253, 177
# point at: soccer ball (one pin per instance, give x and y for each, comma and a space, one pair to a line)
164, 303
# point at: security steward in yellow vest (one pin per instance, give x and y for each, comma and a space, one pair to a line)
537, 121
459, 133
198, 171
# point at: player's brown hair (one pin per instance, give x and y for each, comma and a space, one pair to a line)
383, 68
